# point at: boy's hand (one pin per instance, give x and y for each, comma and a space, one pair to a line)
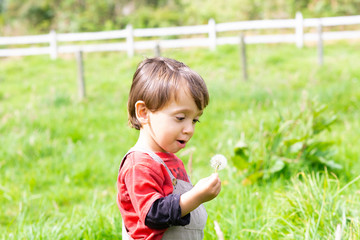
207, 188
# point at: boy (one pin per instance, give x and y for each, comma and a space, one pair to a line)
155, 196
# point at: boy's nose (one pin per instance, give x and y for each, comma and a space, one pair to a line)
189, 128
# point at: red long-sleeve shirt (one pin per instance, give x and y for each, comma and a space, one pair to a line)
141, 181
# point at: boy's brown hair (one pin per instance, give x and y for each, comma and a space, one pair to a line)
157, 80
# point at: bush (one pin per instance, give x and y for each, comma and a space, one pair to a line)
289, 145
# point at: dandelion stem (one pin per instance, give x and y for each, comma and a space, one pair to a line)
216, 167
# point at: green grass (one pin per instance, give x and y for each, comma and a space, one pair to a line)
59, 156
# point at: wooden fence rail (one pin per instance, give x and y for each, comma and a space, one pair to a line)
202, 36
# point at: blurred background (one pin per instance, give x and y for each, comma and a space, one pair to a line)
19, 17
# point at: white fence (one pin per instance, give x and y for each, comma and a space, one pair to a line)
59, 42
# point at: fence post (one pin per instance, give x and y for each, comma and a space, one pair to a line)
53, 44
157, 50
81, 80
212, 34
243, 56
299, 30
130, 40
320, 44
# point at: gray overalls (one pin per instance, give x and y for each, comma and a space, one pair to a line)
195, 229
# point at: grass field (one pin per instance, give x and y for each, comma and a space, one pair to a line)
59, 156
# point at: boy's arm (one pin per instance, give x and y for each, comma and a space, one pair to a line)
173, 210
166, 212
205, 190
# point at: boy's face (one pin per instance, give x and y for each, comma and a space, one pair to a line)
170, 128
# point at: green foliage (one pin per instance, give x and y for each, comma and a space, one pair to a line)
330, 8
2, 3
287, 145
23, 17
40, 16
146, 17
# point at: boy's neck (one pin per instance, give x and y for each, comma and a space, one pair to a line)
146, 143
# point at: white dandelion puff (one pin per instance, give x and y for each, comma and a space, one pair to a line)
218, 162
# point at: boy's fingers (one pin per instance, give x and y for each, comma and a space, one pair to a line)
215, 175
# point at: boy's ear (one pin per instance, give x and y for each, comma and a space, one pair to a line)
141, 112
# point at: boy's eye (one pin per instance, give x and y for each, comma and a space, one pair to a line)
196, 121
180, 118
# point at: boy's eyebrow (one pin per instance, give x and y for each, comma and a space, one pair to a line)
179, 110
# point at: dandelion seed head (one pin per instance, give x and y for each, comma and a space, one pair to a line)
218, 162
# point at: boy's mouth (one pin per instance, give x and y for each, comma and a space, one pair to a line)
182, 143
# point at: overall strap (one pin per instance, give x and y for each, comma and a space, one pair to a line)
154, 156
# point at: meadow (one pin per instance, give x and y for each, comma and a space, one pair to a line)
59, 156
